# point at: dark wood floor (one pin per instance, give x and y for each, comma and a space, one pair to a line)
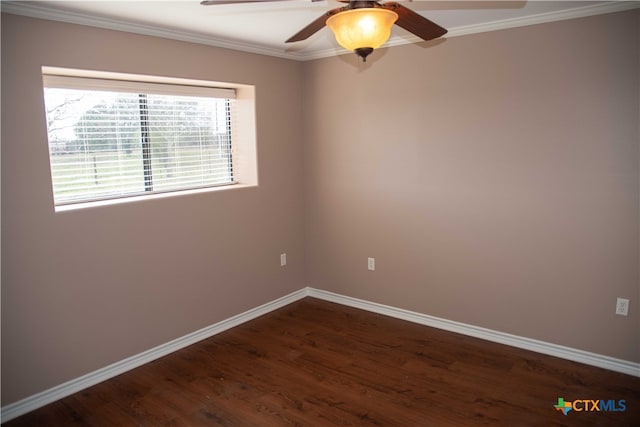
315, 363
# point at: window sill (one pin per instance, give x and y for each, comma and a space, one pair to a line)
147, 197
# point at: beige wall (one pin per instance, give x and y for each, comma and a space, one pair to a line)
84, 289
494, 177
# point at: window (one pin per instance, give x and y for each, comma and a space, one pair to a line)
113, 138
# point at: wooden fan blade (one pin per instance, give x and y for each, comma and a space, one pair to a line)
415, 23
214, 2
314, 27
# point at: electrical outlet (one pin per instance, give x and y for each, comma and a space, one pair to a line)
371, 264
283, 260
622, 306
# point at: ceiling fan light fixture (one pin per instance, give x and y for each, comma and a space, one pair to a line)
363, 29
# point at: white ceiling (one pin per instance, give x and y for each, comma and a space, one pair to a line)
263, 27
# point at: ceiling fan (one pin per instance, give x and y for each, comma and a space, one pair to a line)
361, 25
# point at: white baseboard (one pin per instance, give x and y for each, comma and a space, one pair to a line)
43, 398
593, 359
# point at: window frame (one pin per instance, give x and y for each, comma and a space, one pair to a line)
243, 144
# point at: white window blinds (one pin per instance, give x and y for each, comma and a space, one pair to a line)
113, 138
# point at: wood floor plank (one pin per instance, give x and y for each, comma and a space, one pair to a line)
315, 363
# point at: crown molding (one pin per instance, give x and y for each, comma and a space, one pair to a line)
43, 12
541, 18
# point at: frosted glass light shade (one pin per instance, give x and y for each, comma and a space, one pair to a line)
362, 28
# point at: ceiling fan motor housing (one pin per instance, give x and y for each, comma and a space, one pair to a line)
363, 52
